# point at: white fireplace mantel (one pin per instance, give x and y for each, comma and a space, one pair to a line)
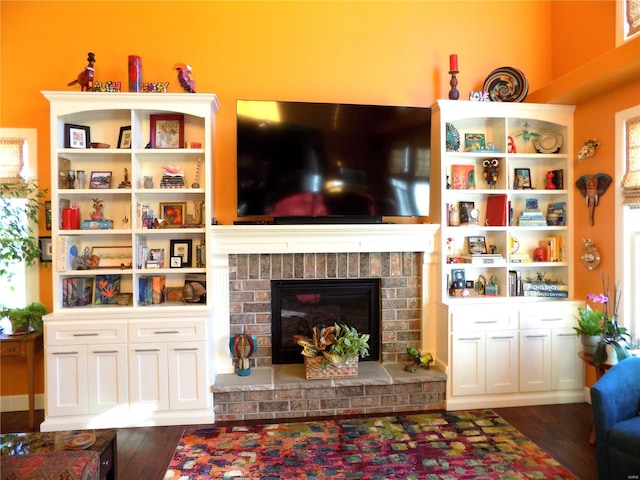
326, 238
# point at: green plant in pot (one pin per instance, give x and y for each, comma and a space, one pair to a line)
336, 343
590, 328
26, 319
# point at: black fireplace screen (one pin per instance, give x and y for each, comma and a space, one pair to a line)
299, 305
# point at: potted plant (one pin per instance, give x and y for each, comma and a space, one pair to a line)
333, 351
26, 319
590, 328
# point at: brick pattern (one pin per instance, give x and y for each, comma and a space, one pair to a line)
317, 402
250, 296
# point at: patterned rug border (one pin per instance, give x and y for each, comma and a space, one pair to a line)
469, 444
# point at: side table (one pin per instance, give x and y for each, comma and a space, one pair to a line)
600, 370
46, 442
24, 346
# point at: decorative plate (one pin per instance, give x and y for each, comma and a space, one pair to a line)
453, 138
506, 84
80, 441
548, 142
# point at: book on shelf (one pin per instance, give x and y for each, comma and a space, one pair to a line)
463, 177
546, 294
556, 213
151, 289
107, 286
77, 291
484, 259
68, 253
145, 215
545, 287
558, 178
496, 210
520, 257
515, 283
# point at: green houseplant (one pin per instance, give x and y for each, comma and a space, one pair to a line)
26, 319
333, 351
17, 240
590, 328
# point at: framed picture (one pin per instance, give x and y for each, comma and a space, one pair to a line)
167, 131
112, 257
522, 179
124, 139
474, 141
175, 262
181, 249
459, 282
76, 136
201, 257
46, 249
173, 213
156, 258
465, 208
100, 180
477, 245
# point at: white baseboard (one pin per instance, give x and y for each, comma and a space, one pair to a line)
20, 403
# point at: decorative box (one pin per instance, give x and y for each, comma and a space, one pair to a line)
97, 224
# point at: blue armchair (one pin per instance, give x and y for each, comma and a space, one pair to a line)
615, 399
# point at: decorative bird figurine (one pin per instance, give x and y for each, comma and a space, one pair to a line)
491, 171
185, 78
85, 77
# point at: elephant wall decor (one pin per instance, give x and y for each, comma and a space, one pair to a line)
591, 187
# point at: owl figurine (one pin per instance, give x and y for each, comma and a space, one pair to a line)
491, 171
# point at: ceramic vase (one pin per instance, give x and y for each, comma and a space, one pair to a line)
589, 343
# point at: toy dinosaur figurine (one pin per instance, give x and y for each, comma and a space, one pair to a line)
85, 78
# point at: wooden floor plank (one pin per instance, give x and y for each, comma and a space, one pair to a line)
560, 430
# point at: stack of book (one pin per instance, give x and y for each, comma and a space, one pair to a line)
532, 218
172, 181
484, 259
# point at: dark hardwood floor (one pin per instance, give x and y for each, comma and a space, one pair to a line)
560, 430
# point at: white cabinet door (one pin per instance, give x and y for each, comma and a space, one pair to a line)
187, 375
67, 380
502, 361
148, 378
535, 360
108, 377
469, 363
568, 368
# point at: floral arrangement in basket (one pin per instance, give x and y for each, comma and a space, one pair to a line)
333, 351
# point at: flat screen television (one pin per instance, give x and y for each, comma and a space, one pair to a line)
329, 162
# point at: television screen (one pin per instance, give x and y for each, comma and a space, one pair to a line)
302, 159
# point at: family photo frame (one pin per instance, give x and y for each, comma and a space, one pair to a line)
522, 179
167, 131
77, 136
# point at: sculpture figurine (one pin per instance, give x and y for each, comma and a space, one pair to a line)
491, 171
97, 213
419, 360
85, 78
589, 149
185, 78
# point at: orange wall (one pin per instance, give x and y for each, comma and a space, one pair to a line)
363, 52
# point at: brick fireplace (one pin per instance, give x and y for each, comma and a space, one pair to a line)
245, 260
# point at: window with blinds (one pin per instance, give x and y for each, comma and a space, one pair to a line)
11, 160
631, 179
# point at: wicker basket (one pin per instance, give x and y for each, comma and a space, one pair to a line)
319, 367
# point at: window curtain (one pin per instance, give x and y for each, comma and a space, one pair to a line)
11, 160
631, 179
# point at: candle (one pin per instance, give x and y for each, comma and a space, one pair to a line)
453, 62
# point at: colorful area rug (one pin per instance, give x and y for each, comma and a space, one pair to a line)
451, 445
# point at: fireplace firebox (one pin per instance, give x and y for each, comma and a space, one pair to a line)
299, 305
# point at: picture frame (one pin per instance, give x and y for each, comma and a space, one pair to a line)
124, 138
183, 250
175, 262
173, 213
167, 131
474, 141
112, 257
47, 214
100, 180
458, 278
522, 179
46, 249
77, 136
201, 257
477, 244
464, 209
156, 258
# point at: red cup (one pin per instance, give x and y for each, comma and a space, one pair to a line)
66, 219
